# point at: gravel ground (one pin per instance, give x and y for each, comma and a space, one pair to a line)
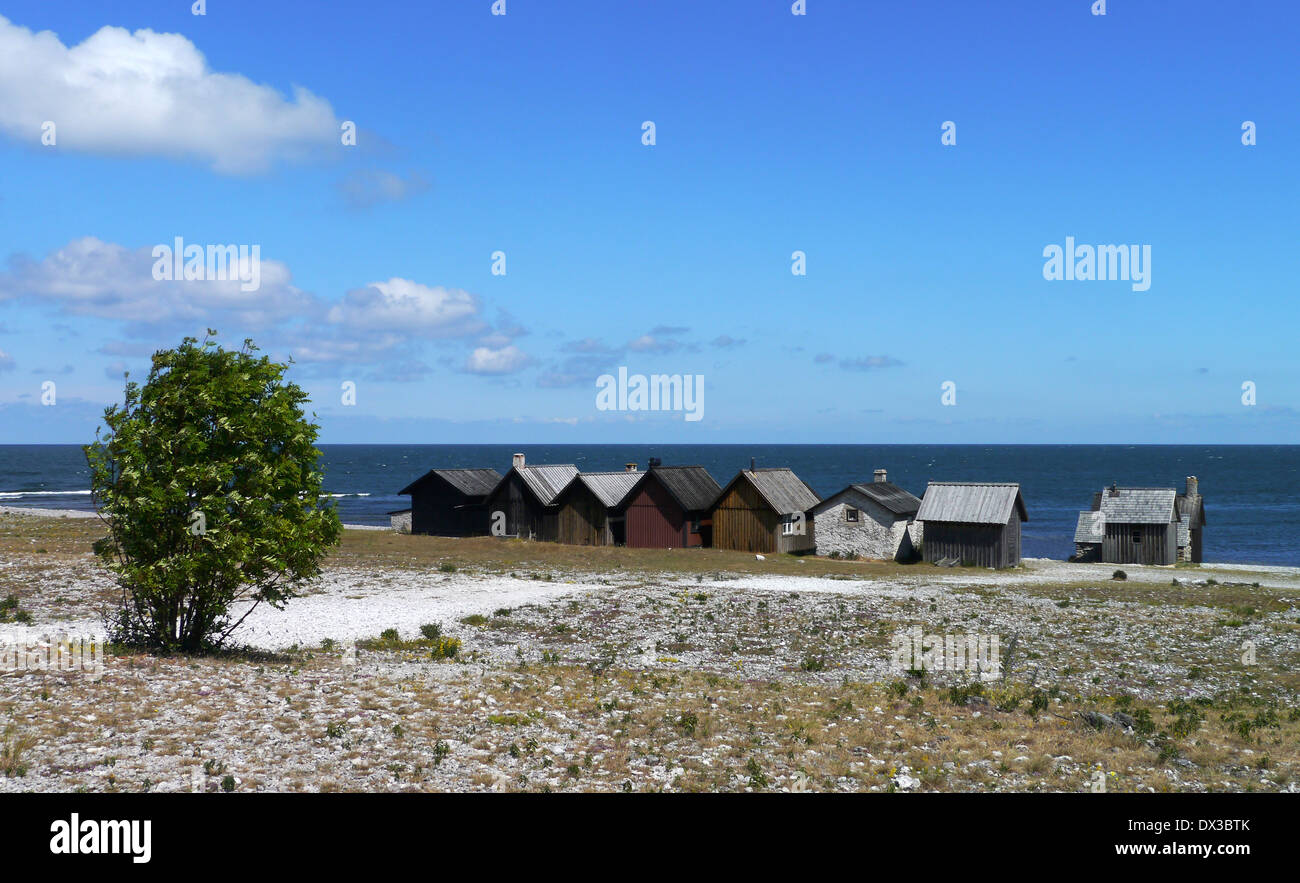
672, 681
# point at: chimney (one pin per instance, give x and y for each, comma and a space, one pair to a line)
881, 475
654, 463
1114, 489
629, 467
751, 464
517, 461
1193, 486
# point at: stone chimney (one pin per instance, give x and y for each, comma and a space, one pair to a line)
1193, 486
881, 476
517, 461
1113, 490
751, 464
629, 467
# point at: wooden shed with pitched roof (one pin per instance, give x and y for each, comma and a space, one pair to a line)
589, 508
1131, 525
668, 508
522, 503
972, 523
764, 510
448, 502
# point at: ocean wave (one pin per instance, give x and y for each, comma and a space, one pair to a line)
13, 495
343, 495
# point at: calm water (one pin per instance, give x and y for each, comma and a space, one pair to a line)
1252, 504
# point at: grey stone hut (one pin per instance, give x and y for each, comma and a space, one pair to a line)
875, 521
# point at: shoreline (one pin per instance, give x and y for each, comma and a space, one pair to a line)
82, 513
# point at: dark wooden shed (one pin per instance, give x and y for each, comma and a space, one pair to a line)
975, 523
764, 510
522, 503
450, 502
668, 508
589, 508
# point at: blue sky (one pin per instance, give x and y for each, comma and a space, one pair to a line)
774, 133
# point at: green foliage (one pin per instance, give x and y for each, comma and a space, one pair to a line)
445, 648
208, 482
11, 612
431, 630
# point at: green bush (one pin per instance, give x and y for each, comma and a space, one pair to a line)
445, 648
210, 487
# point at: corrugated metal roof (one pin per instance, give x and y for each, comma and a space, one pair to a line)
547, 480
1091, 527
471, 482
890, 496
784, 491
609, 487
970, 502
691, 486
1138, 505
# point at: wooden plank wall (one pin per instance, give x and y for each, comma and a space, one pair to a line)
980, 545
1159, 544
582, 519
654, 520
743, 521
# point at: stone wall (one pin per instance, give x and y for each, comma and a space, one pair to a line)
400, 521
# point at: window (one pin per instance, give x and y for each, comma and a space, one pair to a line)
1137, 536
787, 527
850, 514
695, 526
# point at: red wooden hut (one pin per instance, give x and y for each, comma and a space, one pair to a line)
669, 508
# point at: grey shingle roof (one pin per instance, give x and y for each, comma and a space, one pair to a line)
1091, 527
969, 502
691, 486
890, 496
471, 482
1138, 505
784, 491
548, 480
609, 487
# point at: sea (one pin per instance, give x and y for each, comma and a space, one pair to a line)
1252, 503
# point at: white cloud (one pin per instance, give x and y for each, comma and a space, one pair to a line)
400, 305
6, 362
384, 323
151, 94
507, 360
89, 277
